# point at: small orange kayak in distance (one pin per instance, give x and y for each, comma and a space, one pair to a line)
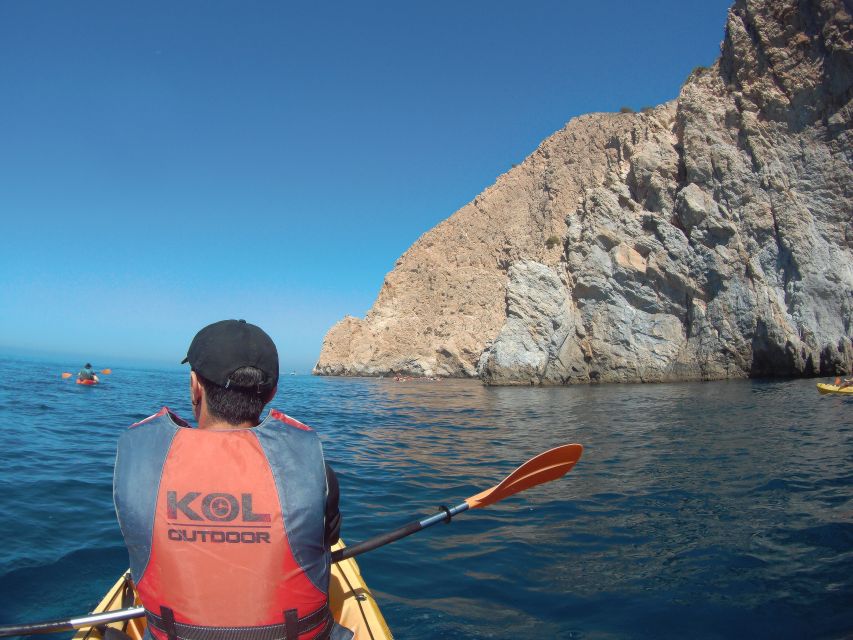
81, 381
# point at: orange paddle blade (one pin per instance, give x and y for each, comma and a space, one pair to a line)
107, 371
545, 467
67, 375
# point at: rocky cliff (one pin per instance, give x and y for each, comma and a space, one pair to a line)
710, 237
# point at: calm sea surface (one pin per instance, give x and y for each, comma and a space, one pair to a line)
715, 510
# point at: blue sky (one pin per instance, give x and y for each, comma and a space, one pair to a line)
164, 165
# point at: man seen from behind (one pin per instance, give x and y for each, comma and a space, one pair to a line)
228, 525
86, 373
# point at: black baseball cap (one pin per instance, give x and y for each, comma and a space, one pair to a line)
221, 348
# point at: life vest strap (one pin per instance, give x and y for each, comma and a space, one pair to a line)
168, 620
182, 631
291, 623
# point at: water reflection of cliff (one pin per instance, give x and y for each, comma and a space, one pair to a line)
459, 437
415, 442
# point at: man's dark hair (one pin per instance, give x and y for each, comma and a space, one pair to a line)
240, 402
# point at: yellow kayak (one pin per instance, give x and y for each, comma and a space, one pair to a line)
832, 388
351, 602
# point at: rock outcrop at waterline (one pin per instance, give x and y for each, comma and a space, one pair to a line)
710, 237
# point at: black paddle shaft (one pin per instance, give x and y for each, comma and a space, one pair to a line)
406, 530
378, 541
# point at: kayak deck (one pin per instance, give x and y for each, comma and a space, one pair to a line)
831, 388
351, 602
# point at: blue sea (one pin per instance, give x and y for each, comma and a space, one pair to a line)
699, 510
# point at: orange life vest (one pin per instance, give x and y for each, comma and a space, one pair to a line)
225, 529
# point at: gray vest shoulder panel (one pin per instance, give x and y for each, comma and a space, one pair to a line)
140, 457
296, 460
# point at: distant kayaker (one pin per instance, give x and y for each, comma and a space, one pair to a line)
841, 384
228, 525
86, 373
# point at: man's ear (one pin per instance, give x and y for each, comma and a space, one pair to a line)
196, 390
270, 394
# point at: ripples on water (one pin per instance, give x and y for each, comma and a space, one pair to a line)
711, 510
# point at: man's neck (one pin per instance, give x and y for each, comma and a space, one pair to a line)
211, 423
221, 425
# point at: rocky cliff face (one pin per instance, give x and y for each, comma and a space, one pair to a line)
710, 237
